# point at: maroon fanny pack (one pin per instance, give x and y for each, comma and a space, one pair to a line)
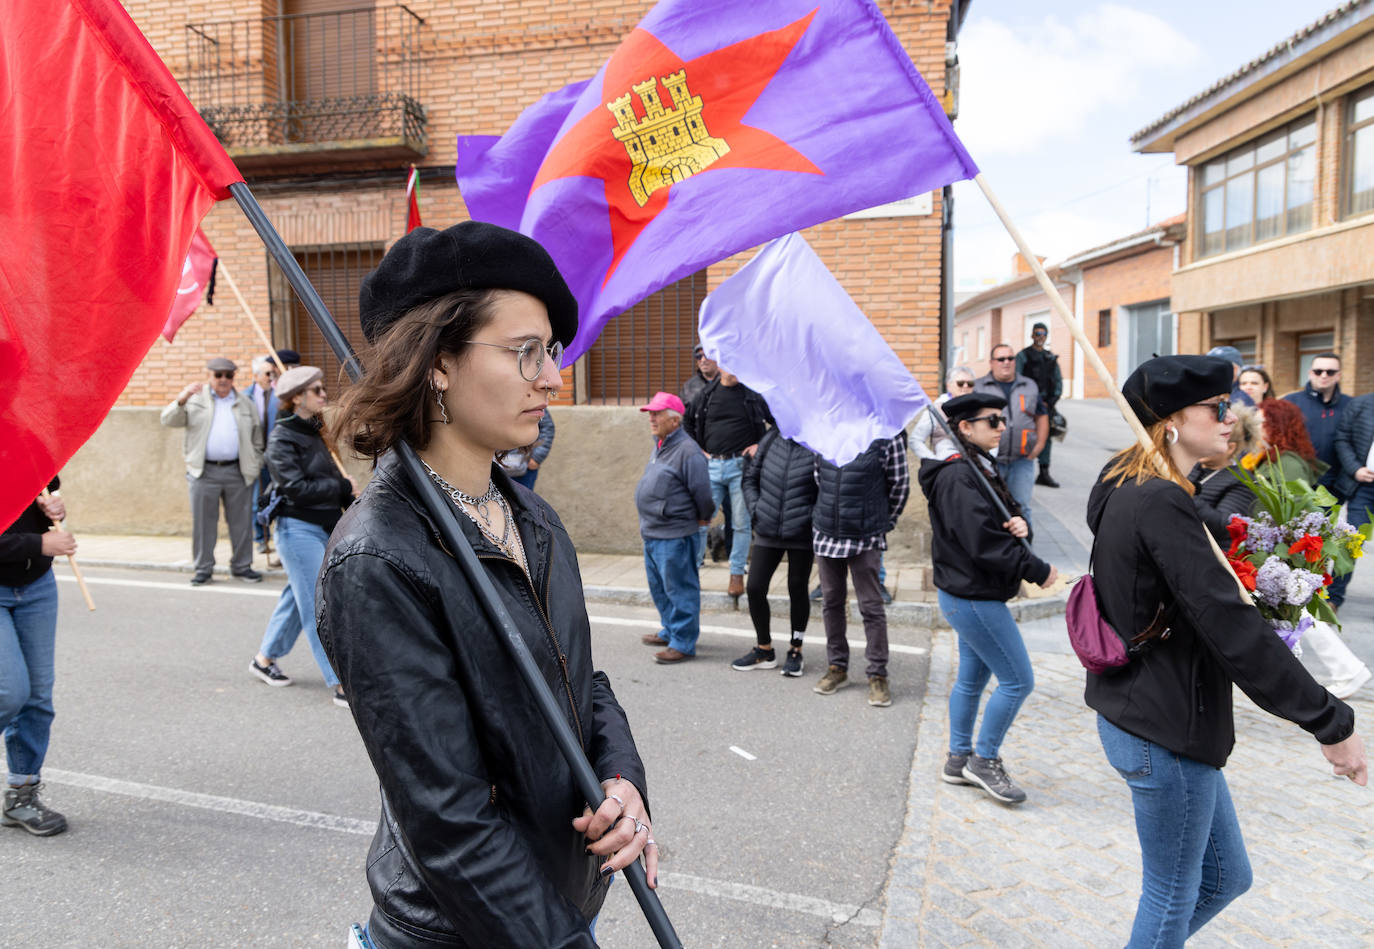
1099, 647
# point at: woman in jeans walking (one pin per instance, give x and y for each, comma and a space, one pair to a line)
28, 642
780, 491
1165, 718
313, 495
979, 564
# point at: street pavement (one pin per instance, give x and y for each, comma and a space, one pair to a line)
208, 809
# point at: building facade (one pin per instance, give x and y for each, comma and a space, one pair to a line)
1278, 253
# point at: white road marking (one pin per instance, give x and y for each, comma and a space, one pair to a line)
793, 902
743, 754
748, 633
218, 586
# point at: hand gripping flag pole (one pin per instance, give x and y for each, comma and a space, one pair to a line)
445, 515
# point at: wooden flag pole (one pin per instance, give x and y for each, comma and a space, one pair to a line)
1090, 352
71, 561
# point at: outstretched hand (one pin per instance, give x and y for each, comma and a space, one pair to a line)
620, 829
1347, 759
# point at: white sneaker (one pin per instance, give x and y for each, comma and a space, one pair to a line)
1345, 688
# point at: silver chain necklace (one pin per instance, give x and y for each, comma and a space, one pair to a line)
509, 541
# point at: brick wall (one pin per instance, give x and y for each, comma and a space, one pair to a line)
1140, 278
482, 64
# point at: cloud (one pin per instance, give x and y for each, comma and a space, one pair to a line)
1027, 83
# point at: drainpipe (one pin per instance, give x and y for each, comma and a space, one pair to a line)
957, 11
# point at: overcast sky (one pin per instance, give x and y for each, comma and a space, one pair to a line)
1051, 93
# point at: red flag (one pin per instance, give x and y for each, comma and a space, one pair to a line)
197, 282
108, 170
412, 200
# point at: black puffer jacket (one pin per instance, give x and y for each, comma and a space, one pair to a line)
780, 491
1151, 551
476, 847
311, 486
854, 502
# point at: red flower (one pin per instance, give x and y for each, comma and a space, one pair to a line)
1245, 570
1236, 527
1309, 546
1326, 579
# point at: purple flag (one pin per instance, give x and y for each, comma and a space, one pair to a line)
715, 126
786, 327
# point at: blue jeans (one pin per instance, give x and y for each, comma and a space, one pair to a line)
301, 546
1360, 502
528, 478
1191, 850
28, 646
1020, 478
727, 475
675, 585
990, 644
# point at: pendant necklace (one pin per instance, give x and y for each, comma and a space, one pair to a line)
480, 514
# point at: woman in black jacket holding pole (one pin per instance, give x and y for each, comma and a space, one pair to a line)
484, 838
979, 559
1165, 717
780, 491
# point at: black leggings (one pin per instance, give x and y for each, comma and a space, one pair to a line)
763, 564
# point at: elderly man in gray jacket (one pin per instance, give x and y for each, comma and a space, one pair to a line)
673, 499
223, 450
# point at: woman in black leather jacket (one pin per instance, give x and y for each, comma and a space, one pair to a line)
780, 491
484, 839
313, 493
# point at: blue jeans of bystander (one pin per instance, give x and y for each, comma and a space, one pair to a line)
28, 643
301, 545
1020, 478
990, 644
675, 585
727, 476
1192, 854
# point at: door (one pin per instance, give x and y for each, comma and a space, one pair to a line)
1150, 329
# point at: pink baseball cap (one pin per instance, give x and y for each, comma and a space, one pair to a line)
664, 400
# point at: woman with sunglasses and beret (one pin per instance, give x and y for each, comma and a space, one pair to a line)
928, 439
979, 562
1165, 718
312, 495
484, 838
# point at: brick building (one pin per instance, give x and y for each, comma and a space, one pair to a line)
1278, 252
324, 104
1119, 293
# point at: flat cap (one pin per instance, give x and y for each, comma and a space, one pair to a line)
966, 406
1161, 386
427, 264
220, 364
292, 381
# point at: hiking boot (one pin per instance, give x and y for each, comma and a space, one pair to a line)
879, 695
953, 772
24, 809
988, 774
270, 673
835, 678
793, 665
249, 576
756, 658
670, 656
1044, 478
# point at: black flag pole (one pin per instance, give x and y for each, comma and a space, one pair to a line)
445, 516
979, 475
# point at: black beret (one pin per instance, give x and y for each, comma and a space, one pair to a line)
427, 264
1161, 386
967, 406
288, 357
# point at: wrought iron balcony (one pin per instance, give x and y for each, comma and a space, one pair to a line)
311, 87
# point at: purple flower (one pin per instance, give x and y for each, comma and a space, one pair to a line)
1271, 581
1300, 586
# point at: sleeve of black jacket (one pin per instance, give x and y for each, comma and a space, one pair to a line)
990, 547
1231, 628
418, 730
1351, 455
1216, 507
287, 467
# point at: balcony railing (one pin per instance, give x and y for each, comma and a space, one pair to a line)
312, 86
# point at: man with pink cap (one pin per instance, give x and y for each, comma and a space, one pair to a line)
673, 498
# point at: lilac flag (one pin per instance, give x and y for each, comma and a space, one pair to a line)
715, 126
786, 327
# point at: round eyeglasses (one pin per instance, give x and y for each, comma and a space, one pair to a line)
530, 356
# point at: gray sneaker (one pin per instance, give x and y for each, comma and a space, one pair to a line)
834, 679
953, 772
24, 809
988, 774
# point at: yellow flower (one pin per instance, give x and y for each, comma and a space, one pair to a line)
1250, 461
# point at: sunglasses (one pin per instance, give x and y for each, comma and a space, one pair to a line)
224, 374
1004, 359
994, 421
963, 383
1324, 372
1223, 408
317, 388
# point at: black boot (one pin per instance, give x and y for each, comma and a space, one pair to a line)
1045, 479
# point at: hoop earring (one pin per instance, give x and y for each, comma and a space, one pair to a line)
439, 398
1172, 435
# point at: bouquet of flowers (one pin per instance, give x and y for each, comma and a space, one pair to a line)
1288, 553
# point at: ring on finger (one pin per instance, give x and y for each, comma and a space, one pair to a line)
640, 825
618, 800
650, 843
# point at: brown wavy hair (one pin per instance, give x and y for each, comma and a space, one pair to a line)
392, 400
1139, 465
1285, 430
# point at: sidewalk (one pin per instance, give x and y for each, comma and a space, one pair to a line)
1063, 869
607, 578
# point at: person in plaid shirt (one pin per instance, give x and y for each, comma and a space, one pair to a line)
856, 505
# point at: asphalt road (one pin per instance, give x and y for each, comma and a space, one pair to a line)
207, 809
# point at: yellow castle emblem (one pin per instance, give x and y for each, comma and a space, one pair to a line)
667, 145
